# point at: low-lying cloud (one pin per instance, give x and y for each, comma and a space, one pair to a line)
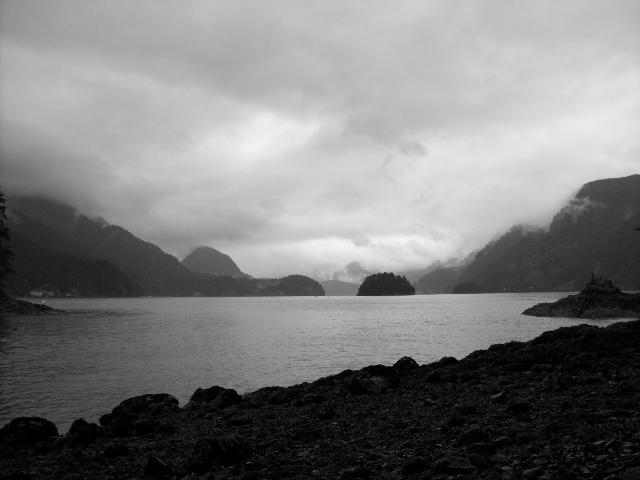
302, 136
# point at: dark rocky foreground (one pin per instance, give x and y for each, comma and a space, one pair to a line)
599, 299
13, 306
562, 406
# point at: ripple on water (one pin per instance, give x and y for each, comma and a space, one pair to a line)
84, 362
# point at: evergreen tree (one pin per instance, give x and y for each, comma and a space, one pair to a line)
5, 249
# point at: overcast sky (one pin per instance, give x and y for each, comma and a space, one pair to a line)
298, 136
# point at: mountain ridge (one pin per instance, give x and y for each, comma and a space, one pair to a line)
48, 237
208, 260
593, 233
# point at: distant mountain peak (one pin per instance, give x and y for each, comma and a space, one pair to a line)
592, 233
208, 260
354, 272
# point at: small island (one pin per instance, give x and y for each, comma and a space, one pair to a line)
599, 299
385, 283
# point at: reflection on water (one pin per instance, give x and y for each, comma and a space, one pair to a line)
83, 363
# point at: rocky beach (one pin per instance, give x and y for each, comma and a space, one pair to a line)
564, 405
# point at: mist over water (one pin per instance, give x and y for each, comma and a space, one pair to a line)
83, 363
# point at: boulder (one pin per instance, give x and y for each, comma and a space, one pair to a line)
271, 396
214, 397
27, 431
405, 365
140, 415
82, 432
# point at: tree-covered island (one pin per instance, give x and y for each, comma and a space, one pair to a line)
385, 283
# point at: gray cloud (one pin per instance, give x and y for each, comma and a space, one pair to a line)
301, 136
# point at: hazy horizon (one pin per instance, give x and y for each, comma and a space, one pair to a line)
301, 137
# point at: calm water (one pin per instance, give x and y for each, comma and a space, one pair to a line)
83, 363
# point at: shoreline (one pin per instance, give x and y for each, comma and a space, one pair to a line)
563, 402
11, 306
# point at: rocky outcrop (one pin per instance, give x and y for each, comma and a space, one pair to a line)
13, 306
141, 415
599, 299
82, 432
214, 397
27, 431
562, 406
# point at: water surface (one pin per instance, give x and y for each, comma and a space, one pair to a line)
84, 362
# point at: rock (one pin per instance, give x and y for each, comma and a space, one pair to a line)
356, 473
310, 398
481, 462
599, 299
215, 397
630, 473
455, 419
205, 395
116, 450
27, 431
326, 412
502, 441
518, 407
473, 435
227, 398
367, 385
248, 476
238, 420
451, 463
445, 362
405, 364
532, 472
16, 476
485, 449
222, 450
156, 466
498, 397
82, 432
415, 466
140, 415
465, 408
270, 396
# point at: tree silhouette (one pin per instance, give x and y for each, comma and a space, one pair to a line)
5, 249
